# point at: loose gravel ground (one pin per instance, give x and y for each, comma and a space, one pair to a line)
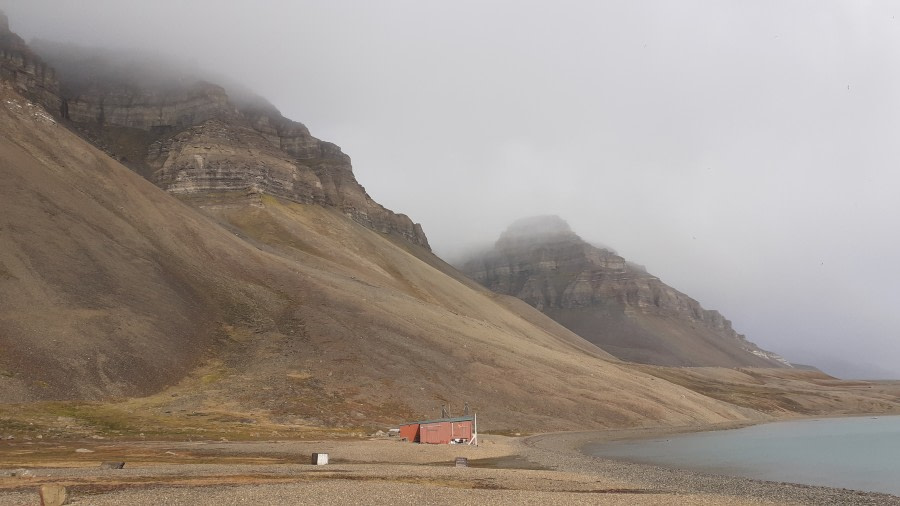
545, 469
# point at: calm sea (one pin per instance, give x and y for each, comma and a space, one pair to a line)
861, 453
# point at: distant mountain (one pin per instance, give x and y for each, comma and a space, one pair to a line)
610, 302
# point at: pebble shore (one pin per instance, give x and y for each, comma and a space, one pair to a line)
545, 469
562, 452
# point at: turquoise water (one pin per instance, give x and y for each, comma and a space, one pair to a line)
861, 453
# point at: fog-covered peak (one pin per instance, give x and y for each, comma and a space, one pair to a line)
538, 227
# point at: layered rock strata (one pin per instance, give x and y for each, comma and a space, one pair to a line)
30, 75
609, 301
150, 110
187, 135
218, 156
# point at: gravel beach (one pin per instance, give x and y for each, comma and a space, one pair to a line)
542, 469
562, 451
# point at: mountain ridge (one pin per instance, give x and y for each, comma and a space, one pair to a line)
130, 307
170, 132
290, 312
608, 300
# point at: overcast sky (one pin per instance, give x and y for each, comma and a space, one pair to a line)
748, 153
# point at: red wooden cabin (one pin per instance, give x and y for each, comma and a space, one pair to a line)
442, 431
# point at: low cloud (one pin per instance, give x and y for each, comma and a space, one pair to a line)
744, 152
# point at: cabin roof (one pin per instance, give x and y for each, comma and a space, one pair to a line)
451, 419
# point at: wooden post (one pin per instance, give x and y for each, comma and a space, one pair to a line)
53, 495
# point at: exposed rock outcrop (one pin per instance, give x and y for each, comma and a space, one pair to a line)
609, 301
151, 110
30, 75
189, 137
220, 156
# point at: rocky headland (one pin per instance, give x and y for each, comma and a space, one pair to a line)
609, 301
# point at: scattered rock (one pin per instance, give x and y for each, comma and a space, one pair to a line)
84, 450
462, 462
112, 465
22, 473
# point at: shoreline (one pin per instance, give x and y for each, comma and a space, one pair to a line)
546, 469
643, 433
566, 451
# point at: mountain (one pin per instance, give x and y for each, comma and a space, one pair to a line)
171, 256
189, 137
609, 301
283, 311
27, 71
216, 296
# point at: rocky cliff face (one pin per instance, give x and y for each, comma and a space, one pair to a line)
30, 75
151, 110
219, 156
189, 137
609, 301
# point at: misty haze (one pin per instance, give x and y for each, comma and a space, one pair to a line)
741, 152
515, 228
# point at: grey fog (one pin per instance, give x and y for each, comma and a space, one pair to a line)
745, 152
